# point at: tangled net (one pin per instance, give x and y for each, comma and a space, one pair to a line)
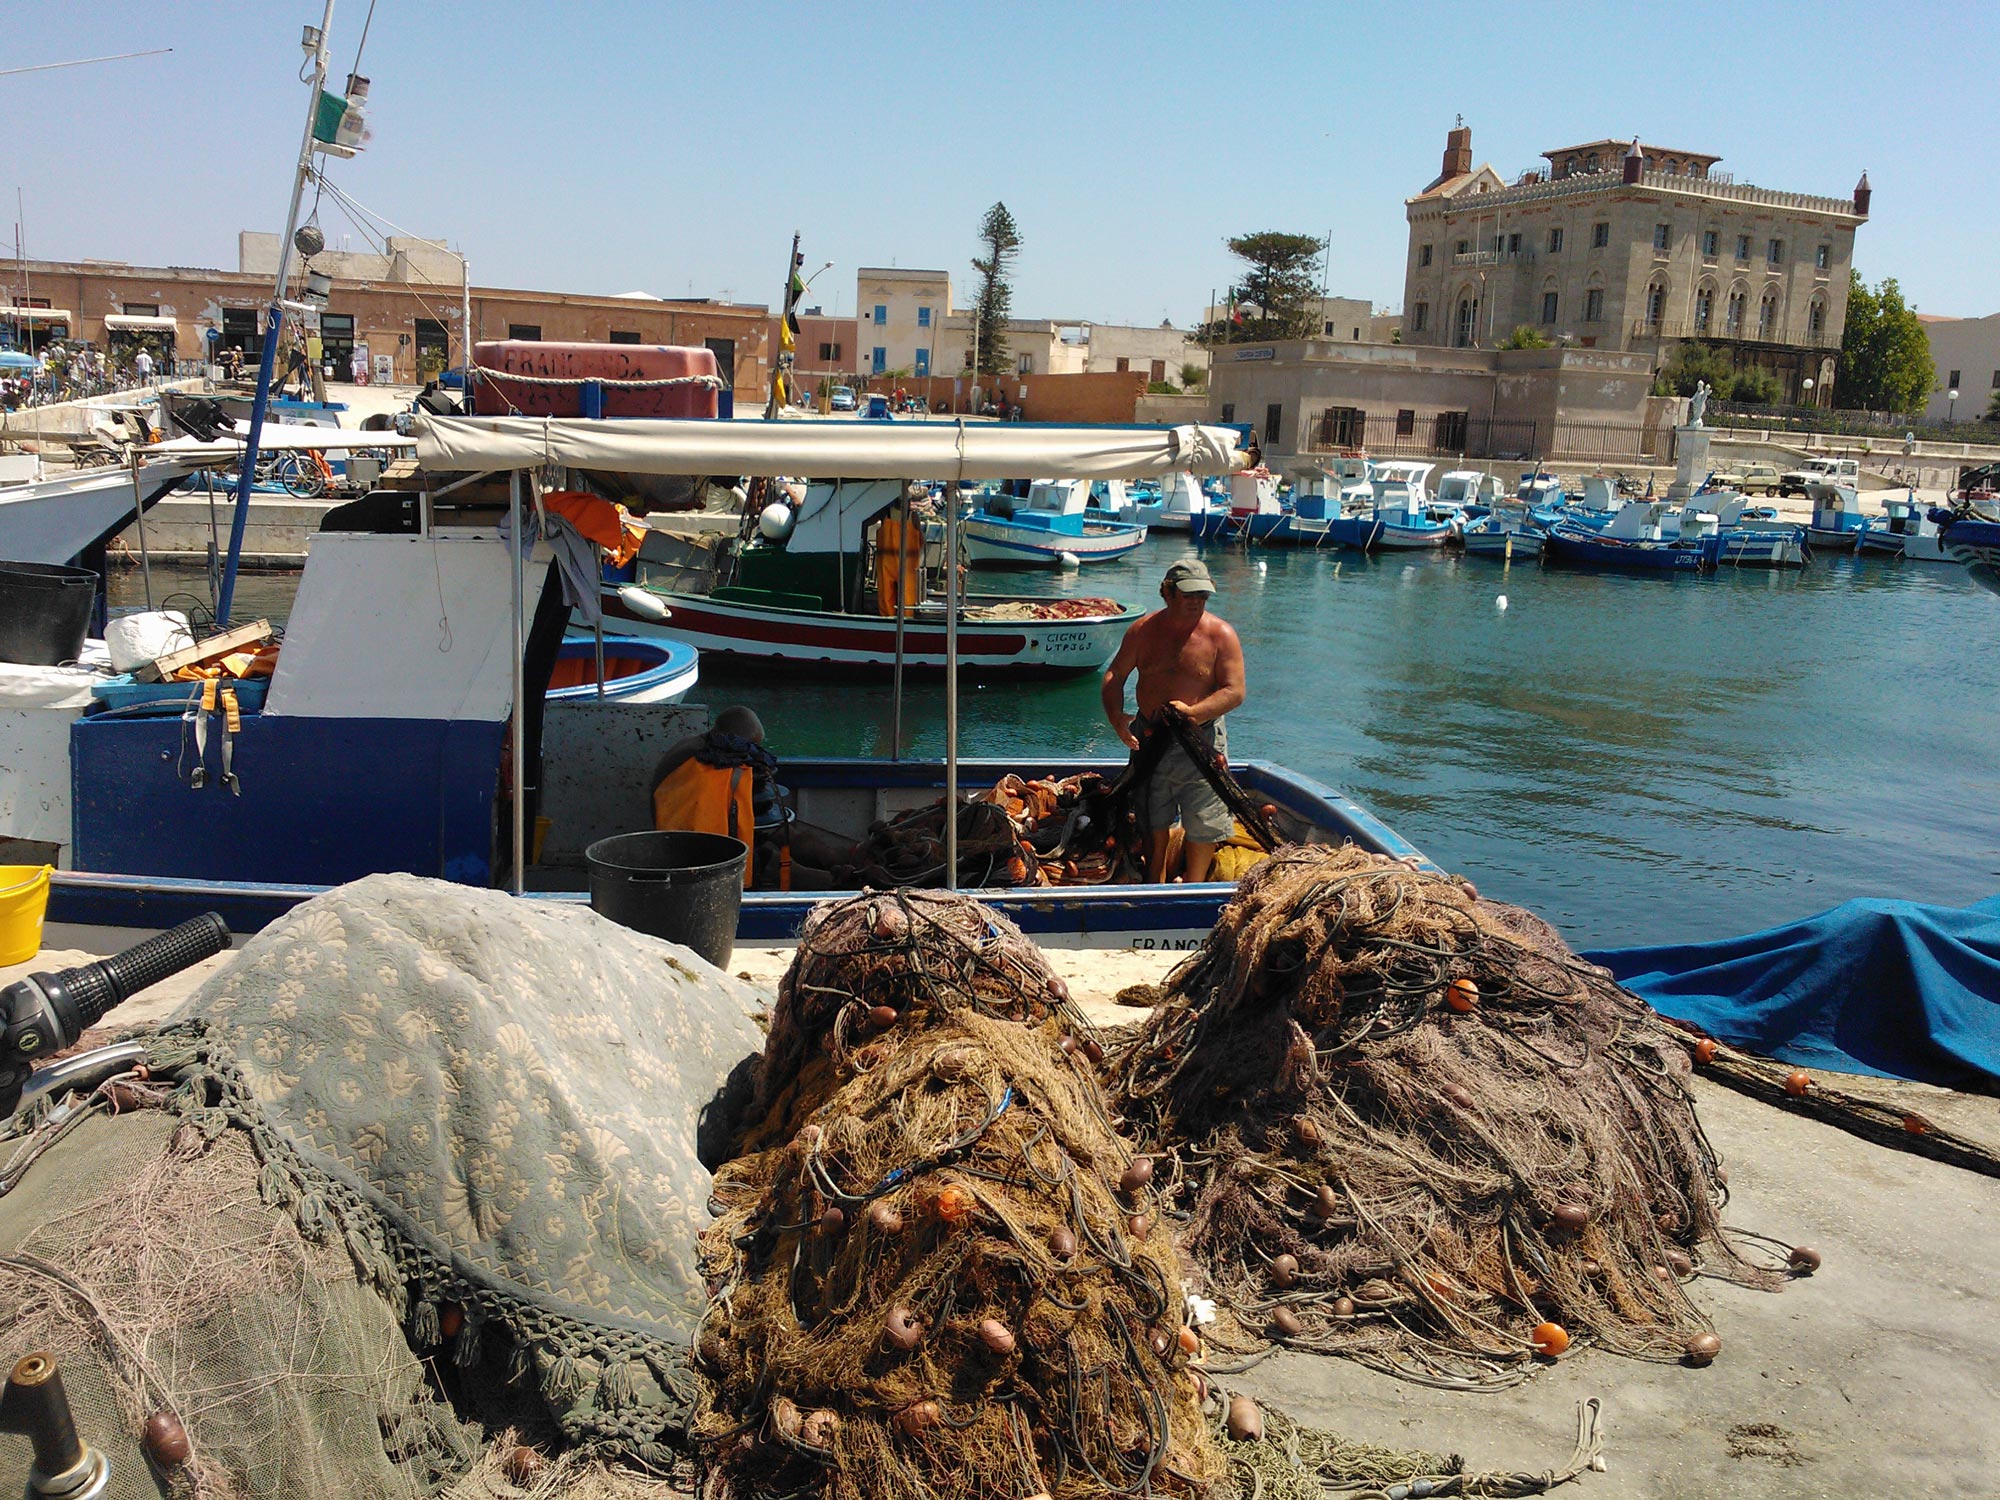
1409, 1126
938, 1270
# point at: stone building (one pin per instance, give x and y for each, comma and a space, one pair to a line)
402, 307
902, 315
1966, 353
1631, 247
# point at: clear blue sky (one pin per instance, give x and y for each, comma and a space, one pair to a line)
610, 146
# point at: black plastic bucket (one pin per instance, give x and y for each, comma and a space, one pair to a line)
684, 887
44, 612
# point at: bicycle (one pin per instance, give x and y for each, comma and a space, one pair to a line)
305, 473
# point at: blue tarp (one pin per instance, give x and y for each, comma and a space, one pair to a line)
1893, 988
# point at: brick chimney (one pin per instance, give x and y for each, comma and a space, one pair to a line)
1862, 193
1635, 161
1457, 152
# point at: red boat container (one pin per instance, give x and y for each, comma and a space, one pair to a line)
517, 377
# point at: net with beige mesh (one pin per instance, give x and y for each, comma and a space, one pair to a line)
1407, 1125
937, 1269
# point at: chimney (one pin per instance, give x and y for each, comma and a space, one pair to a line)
1862, 193
1635, 161
1457, 152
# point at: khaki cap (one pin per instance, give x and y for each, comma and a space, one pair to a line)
1190, 576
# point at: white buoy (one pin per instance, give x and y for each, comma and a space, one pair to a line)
1262, 566
643, 603
1070, 561
1500, 602
775, 521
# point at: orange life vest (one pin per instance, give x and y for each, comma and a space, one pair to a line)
695, 798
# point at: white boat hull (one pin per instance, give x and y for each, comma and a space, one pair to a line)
987, 541
54, 520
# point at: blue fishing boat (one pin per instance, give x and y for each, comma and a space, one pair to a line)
1336, 503
1254, 513
1975, 542
1633, 541
1507, 531
1051, 527
1837, 521
1411, 519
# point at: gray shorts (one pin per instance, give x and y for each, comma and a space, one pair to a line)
1179, 790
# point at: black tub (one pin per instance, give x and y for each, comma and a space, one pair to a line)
684, 887
44, 612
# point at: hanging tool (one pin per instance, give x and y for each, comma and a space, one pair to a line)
199, 710
232, 722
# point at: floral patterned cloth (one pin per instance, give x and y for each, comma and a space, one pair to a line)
513, 1088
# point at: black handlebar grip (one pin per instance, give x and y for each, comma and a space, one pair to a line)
94, 988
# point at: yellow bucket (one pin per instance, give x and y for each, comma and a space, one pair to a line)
24, 897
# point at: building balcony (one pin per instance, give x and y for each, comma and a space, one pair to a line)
1670, 329
1492, 257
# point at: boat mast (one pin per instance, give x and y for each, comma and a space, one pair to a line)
273, 324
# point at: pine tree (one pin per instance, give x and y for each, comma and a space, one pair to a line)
1276, 296
1002, 239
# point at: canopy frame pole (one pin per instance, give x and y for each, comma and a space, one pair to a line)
600, 648
951, 602
139, 513
519, 728
902, 550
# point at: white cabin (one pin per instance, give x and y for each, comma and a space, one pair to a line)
1400, 487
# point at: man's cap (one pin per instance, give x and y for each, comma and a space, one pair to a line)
1190, 576
742, 723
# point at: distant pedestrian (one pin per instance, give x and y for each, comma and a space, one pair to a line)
144, 366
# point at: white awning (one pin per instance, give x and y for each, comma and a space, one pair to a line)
38, 314
140, 321
824, 450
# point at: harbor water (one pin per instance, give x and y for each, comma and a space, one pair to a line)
1636, 759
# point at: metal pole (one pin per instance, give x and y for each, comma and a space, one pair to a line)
951, 596
519, 728
274, 322
902, 546
779, 372
465, 333
139, 510
600, 649
214, 540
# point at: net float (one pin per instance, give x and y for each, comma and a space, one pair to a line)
1797, 1082
997, 1337
1343, 1307
1661, 1273
1593, 1268
1308, 1134
784, 1418
1702, 1348
882, 1017
1456, 1094
884, 1219
809, 1137
451, 1319
1471, 890
1246, 1421
1461, 995
1139, 1225
1285, 1270
1062, 1244
166, 1440
901, 1328
1285, 1323
1092, 1051
1704, 1050
1137, 1175
1679, 1264
1916, 1125
1571, 1217
919, 1416
1068, 1044
523, 1464
955, 1204
1804, 1261
832, 1221
818, 1428
1190, 1341
1376, 1290
1549, 1339
952, 1062
1058, 987
1326, 1202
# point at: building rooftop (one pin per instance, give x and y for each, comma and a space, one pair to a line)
1614, 151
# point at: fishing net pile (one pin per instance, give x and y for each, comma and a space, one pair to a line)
937, 1270
410, 1122
1407, 1125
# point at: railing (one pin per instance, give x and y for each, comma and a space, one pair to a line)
1715, 185
1644, 328
1460, 435
1492, 257
1882, 429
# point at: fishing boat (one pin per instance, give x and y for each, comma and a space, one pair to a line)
1053, 527
631, 669
1837, 521
1752, 536
1334, 494
1255, 513
1904, 529
1632, 541
1175, 501
1507, 531
1975, 542
1473, 491
1411, 519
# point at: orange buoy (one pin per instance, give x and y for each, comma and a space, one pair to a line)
1343, 1307
1190, 1341
1549, 1339
1285, 1323
917, 1417
1702, 1348
1797, 1082
1916, 1125
1462, 995
955, 1203
1246, 1420
997, 1337
1704, 1050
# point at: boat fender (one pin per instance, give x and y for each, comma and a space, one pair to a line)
1070, 561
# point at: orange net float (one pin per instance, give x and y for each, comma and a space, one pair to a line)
954, 1203
1462, 995
1549, 1339
1704, 1050
1797, 1082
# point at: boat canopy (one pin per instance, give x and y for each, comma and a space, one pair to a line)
823, 450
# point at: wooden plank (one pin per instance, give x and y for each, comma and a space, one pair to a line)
202, 652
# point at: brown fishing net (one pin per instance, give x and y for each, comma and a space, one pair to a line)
1408, 1125
937, 1269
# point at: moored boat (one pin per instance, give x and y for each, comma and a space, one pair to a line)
1633, 541
1054, 525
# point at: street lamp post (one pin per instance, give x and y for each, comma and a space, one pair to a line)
1806, 385
1951, 407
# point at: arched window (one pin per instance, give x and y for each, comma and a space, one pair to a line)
1468, 321
1816, 318
1732, 317
1767, 316
1704, 309
1656, 306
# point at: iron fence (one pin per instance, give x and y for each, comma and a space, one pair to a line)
1876, 426
1461, 435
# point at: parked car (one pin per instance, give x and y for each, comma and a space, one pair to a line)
1748, 479
1819, 471
842, 398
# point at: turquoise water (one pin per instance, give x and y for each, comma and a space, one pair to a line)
1636, 759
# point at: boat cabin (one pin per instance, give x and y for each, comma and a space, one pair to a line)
1638, 522
1836, 507
1467, 487
1600, 495
1401, 487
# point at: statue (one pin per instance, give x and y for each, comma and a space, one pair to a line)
1698, 403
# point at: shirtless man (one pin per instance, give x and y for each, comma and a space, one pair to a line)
1190, 660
